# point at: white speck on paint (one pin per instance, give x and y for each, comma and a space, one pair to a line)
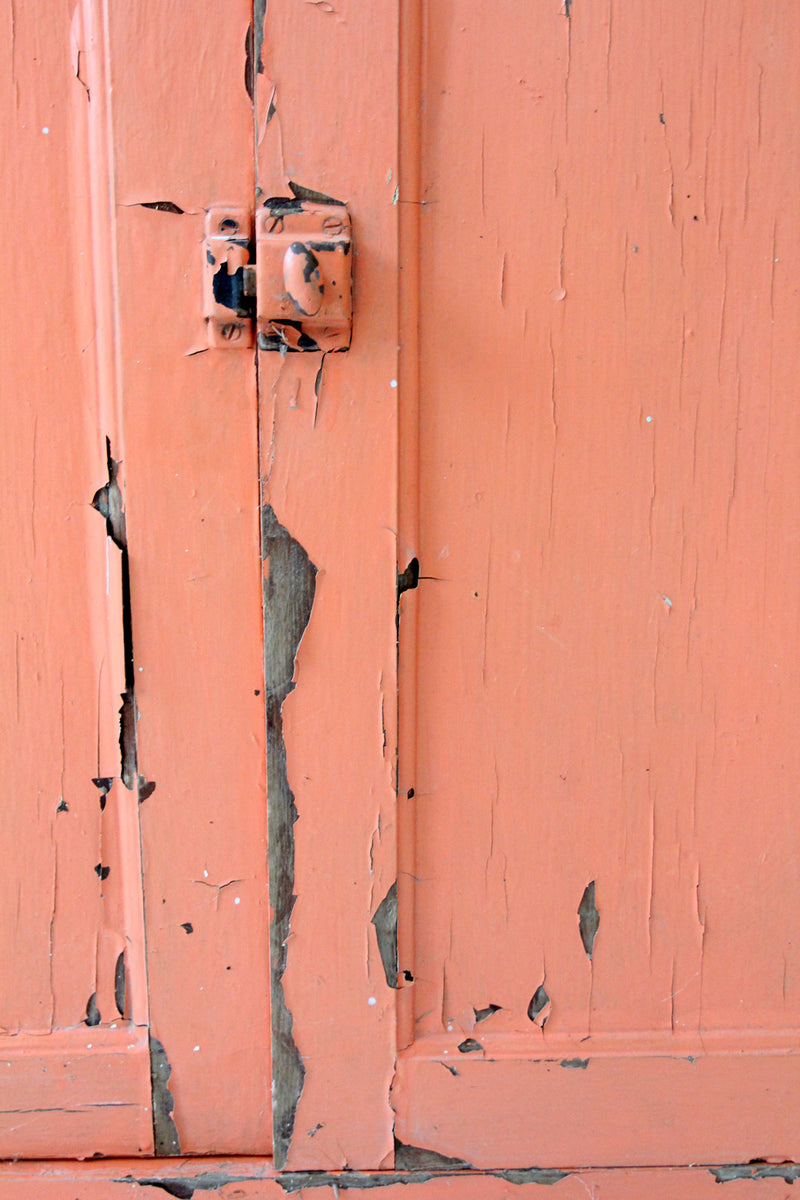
195, 1049
667, 601
205, 874
45, 129
393, 383
648, 419
372, 1001
396, 196
237, 900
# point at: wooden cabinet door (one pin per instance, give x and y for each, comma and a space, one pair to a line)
133, 895
596, 829
540, 910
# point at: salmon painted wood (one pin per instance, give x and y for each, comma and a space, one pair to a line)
400, 742
592, 874
256, 1179
602, 871
133, 1006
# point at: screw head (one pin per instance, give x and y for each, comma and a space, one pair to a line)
230, 332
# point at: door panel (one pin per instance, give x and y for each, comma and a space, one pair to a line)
122, 124
575, 315
74, 1058
605, 852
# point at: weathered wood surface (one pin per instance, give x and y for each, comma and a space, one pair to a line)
607, 683
181, 133
326, 84
595, 217
121, 124
254, 1179
75, 1067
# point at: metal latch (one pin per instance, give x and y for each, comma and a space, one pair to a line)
290, 287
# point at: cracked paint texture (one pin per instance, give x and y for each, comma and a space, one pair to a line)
339, 503
609, 581
87, 86
253, 1179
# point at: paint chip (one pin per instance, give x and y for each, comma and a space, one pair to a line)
539, 1007
482, 1014
469, 1046
588, 919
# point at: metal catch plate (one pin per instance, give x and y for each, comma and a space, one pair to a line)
303, 276
228, 306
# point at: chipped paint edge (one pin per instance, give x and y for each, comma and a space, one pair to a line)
288, 591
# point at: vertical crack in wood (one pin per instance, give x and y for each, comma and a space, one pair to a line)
108, 501
165, 1132
254, 41
289, 587
120, 984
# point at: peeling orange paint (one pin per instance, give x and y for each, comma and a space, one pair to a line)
534, 885
601, 750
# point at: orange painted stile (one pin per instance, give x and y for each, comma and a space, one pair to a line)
184, 142
399, 745
326, 119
